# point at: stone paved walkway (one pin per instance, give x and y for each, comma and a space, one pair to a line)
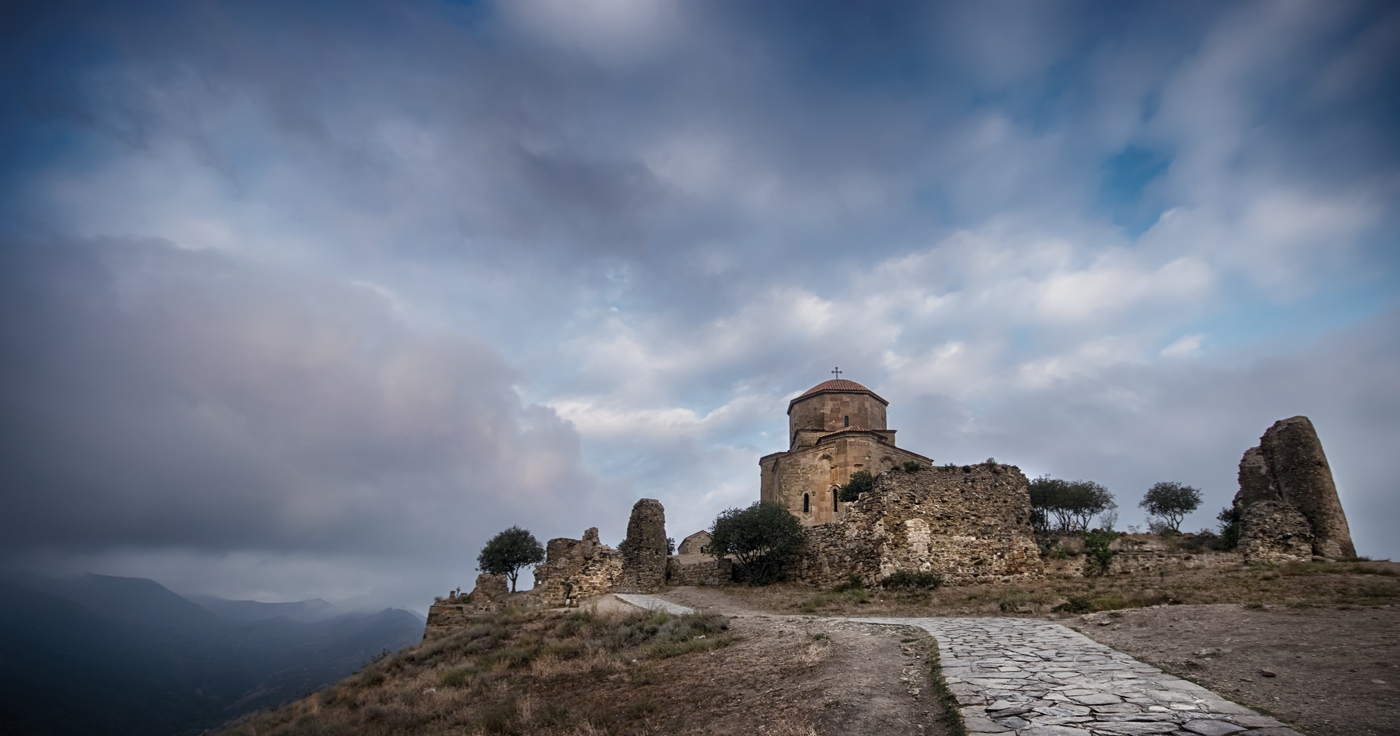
1035, 678
652, 603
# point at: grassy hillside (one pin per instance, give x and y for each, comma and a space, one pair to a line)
537, 673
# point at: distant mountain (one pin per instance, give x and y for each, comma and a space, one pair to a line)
109, 655
305, 611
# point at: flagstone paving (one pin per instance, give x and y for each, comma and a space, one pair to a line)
1036, 678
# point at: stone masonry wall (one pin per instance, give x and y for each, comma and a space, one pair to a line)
698, 570
644, 550
1272, 532
575, 569
817, 471
969, 524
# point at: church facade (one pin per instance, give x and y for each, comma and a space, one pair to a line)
835, 429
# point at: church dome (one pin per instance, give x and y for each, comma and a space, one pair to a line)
839, 384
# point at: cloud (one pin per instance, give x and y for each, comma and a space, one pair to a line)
160, 398
315, 286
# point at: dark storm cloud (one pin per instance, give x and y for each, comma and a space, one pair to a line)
156, 397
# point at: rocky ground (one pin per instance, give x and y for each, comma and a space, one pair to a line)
853, 678
1329, 670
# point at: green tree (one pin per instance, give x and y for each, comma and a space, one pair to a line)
763, 539
1072, 503
861, 481
1046, 493
1229, 518
1171, 502
509, 551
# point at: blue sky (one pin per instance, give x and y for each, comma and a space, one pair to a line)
308, 300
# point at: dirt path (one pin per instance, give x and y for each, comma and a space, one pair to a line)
1334, 671
849, 678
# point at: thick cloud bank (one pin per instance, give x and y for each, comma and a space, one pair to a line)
156, 398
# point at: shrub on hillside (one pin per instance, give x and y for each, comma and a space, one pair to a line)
763, 539
904, 579
861, 481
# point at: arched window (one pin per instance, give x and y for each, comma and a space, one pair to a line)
848, 421
806, 503
835, 501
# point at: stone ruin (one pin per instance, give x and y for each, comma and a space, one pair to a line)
1288, 504
575, 569
644, 550
968, 524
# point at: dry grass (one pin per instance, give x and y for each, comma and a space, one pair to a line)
1360, 583
509, 673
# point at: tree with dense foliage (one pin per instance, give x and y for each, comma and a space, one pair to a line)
508, 552
861, 481
762, 538
1171, 502
1072, 503
1229, 518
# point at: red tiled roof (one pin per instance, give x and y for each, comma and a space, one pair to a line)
846, 430
839, 384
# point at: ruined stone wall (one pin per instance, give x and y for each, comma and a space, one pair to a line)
817, 471
699, 570
1289, 467
1273, 532
446, 617
575, 569
490, 587
1136, 553
644, 550
969, 524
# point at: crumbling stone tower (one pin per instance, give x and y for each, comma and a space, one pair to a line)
644, 550
1287, 499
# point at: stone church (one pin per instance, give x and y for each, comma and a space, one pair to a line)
834, 429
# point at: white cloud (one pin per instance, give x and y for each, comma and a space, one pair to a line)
1185, 346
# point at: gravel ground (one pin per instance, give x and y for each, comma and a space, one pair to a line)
1328, 670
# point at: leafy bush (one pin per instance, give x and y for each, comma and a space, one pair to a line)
852, 582
1171, 502
1075, 604
1229, 518
763, 539
861, 481
1096, 546
913, 580
912, 466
